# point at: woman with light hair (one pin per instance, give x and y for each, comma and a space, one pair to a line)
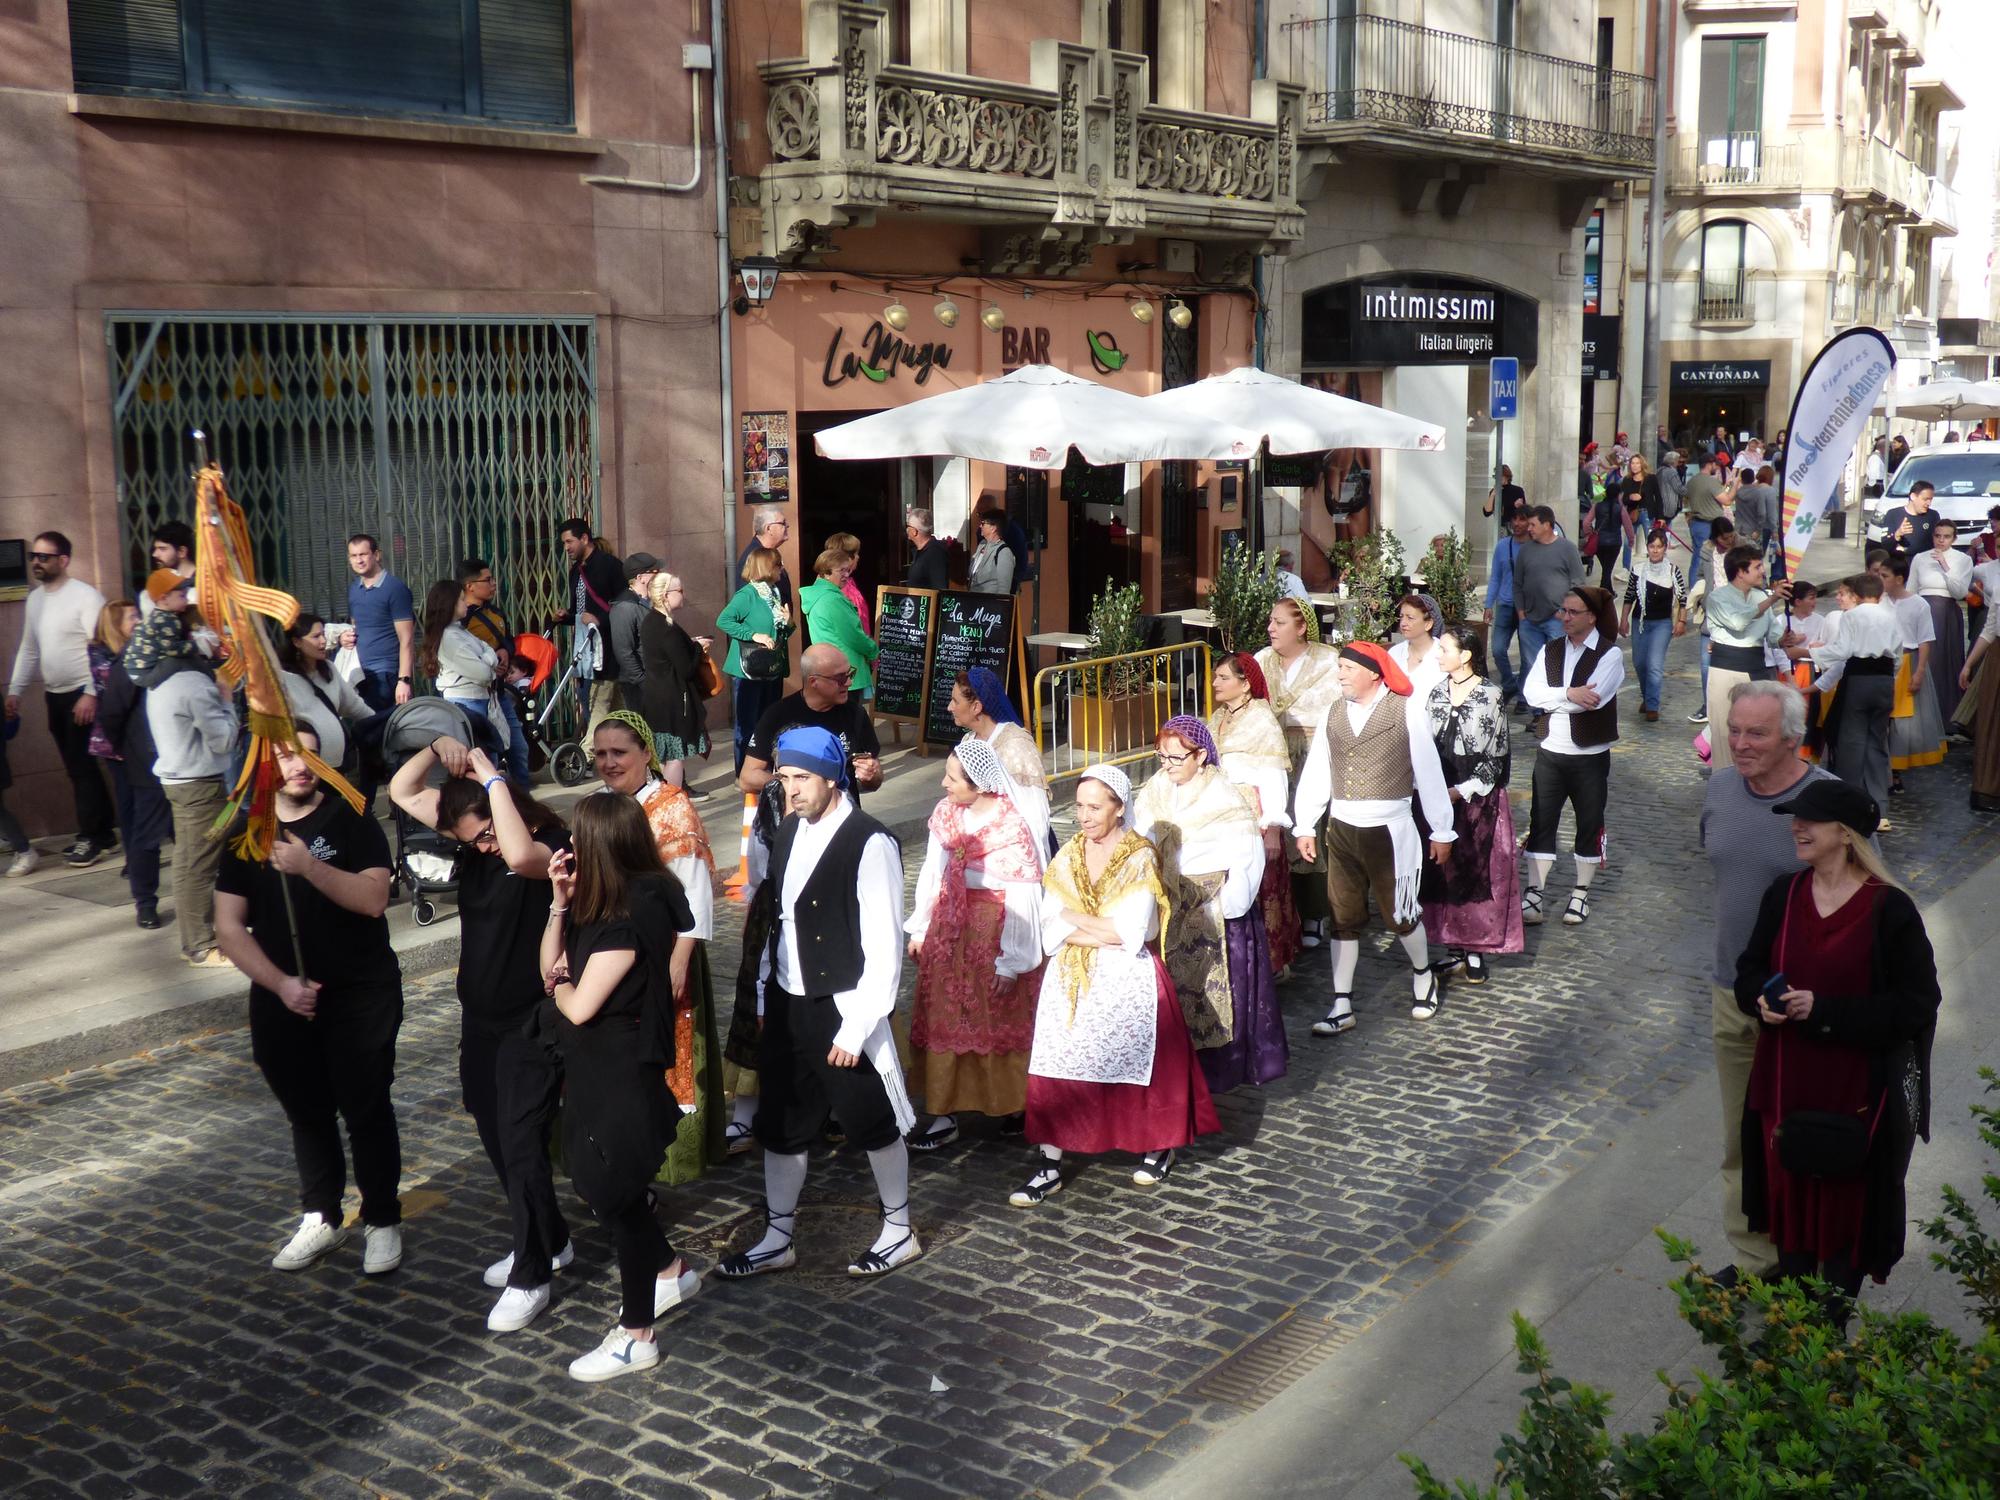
671, 697
1840, 972
849, 545
1300, 672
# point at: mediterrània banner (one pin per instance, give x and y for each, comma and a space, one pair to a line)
1829, 415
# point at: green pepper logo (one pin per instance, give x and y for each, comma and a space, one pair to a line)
1105, 354
878, 376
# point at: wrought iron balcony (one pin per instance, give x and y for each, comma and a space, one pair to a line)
1372, 78
1076, 155
1746, 162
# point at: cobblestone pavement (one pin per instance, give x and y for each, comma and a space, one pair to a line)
1083, 1347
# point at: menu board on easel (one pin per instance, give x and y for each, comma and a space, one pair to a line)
903, 629
970, 630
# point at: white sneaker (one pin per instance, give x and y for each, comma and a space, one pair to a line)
24, 863
496, 1274
315, 1238
382, 1248
619, 1354
667, 1295
517, 1308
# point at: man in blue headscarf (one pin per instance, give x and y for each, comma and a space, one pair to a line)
829, 977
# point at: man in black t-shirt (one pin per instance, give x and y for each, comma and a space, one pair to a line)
324, 1038
823, 703
1906, 528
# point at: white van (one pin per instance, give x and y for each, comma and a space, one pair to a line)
1967, 477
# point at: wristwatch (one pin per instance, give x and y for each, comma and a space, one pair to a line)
402, 679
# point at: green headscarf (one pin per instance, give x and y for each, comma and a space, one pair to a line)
641, 730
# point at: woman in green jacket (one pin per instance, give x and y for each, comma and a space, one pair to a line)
832, 620
755, 618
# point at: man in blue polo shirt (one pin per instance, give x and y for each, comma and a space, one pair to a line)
385, 626
1500, 611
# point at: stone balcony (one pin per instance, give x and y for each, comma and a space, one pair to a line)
1074, 158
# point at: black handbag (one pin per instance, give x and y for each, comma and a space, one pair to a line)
763, 663
1821, 1143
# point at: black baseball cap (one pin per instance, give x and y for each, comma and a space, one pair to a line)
1827, 799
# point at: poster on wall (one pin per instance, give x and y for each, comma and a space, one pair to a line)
1347, 483
767, 457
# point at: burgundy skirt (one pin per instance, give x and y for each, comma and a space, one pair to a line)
1089, 1118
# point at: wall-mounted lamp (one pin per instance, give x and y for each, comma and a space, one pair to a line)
946, 312
1179, 313
759, 275
1141, 311
896, 316
994, 319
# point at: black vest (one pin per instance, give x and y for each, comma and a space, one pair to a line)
1587, 727
828, 911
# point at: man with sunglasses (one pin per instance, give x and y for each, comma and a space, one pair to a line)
823, 703
55, 645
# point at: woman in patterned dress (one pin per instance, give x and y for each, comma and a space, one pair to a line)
975, 932
1255, 759
1300, 672
1111, 1068
1471, 903
622, 747
1211, 855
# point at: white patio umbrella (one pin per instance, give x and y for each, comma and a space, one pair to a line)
1294, 418
1031, 418
1947, 400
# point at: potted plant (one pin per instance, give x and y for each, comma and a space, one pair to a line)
1374, 575
1447, 575
1245, 587
1118, 706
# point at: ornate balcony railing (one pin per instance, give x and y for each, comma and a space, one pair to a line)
1363, 74
1077, 147
1748, 161
1870, 168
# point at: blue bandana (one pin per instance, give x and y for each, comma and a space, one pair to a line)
992, 695
814, 750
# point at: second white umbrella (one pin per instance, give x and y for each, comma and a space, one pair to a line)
1293, 418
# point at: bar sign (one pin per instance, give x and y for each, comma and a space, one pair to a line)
1503, 396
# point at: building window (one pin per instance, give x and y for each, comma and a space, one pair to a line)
899, 31
502, 60
1135, 27
1731, 111
1724, 288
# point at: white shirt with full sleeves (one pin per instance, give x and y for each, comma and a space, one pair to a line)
1946, 577
1316, 776
1553, 698
1869, 629
55, 639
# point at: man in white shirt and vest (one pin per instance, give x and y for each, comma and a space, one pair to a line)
1373, 752
829, 976
1574, 683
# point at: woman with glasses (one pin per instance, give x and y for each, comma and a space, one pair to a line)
1211, 855
509, 1083
671, 697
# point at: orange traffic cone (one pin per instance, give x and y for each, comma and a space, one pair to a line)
733, 887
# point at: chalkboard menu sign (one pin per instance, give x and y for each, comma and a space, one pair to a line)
903, 630
972, 630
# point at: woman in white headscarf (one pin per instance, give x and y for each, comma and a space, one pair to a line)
1211, 864
975, 932
1112, 1067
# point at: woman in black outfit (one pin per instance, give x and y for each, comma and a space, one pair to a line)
671, 698
1840, 972
604, 957
510, 1084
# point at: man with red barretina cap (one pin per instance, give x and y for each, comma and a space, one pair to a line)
1373, 753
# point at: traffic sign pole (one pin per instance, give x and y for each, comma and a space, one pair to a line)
1503, 401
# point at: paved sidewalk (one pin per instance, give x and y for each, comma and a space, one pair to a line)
1437, 1376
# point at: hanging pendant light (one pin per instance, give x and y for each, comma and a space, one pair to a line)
994, 319
946, 312
1142, 311
1179, 313
896, 316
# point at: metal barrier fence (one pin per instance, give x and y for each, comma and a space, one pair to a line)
1109, 708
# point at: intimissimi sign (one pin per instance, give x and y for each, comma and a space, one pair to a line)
1415, 320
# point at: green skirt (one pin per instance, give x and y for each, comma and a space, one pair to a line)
698, 1145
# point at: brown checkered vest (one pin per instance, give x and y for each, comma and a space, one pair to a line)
1374, 765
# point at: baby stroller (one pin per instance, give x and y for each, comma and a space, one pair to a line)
426, 862
567, 760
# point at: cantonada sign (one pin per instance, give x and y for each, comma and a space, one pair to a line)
1722, 374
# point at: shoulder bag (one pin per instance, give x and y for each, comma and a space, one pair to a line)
1818, 1143
708, 677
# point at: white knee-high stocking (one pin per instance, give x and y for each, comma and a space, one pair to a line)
1346, 956
784, 1180
891, 1166
1418, 947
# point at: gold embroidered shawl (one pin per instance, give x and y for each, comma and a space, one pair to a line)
1133, 866
1252, 735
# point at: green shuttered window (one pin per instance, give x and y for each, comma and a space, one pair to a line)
506, 61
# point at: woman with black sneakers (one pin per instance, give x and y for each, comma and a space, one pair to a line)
605, 961
1840, 972
509, 1083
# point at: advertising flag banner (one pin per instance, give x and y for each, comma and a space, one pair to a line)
1829, 416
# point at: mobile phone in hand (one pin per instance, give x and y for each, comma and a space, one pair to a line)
1774, 987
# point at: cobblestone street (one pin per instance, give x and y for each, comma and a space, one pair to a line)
1089, 1344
